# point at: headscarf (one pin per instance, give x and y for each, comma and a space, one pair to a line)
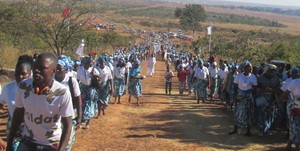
77, 62
100, 60
64, 64
87, 59
136, 68
295, 69
201, 60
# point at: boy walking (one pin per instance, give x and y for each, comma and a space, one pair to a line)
169, 74
181, 74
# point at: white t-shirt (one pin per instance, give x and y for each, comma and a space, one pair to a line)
119, 72
245, 82
42, 115
76, 87
73, 74
201, 73
213, 72
105, 73
294, 88
8, 96
84, 76
222, 73
285, 84
128, 66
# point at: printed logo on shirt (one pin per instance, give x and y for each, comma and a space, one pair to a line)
41, 118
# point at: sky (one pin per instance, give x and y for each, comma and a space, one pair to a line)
271, 2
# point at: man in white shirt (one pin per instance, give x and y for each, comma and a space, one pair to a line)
46, 107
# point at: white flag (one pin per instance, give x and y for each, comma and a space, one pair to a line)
209, 30
80, 49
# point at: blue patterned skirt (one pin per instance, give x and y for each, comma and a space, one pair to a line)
135, 87
244, 111
89, 98
119, 87
266, 113
104, 93
294, 123
201, 89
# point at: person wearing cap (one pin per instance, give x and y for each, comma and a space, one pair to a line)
105, 89
244, 86
267, 86
89, 93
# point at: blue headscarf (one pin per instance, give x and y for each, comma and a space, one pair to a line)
100, 60
136, 68
87, 59
64, 64
77, 62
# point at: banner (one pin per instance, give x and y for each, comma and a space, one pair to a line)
80, 48
209, 30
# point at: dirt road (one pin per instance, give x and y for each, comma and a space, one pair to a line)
168, 122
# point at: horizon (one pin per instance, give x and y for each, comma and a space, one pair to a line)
291, 3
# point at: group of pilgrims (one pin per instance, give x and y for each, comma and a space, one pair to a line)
258, 96
91, 81
264, 97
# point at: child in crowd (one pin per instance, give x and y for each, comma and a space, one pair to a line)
182, 74
169, 75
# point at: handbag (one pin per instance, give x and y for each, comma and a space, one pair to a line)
261, 101
95, 80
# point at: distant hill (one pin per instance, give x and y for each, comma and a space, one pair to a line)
225, 3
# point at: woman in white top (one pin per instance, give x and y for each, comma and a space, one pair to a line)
119, 80
89, 94
244, 86
202, 80
291, 90
105, 85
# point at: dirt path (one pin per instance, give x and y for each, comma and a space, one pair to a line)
165, 122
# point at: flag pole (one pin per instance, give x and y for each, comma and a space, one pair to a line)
209, 45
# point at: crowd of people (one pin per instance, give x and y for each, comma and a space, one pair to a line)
53, 96
264, 97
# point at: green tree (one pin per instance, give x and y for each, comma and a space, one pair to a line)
55, 22
190, 16
16, 29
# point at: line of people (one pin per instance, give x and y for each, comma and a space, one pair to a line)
264, 97
53, 96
